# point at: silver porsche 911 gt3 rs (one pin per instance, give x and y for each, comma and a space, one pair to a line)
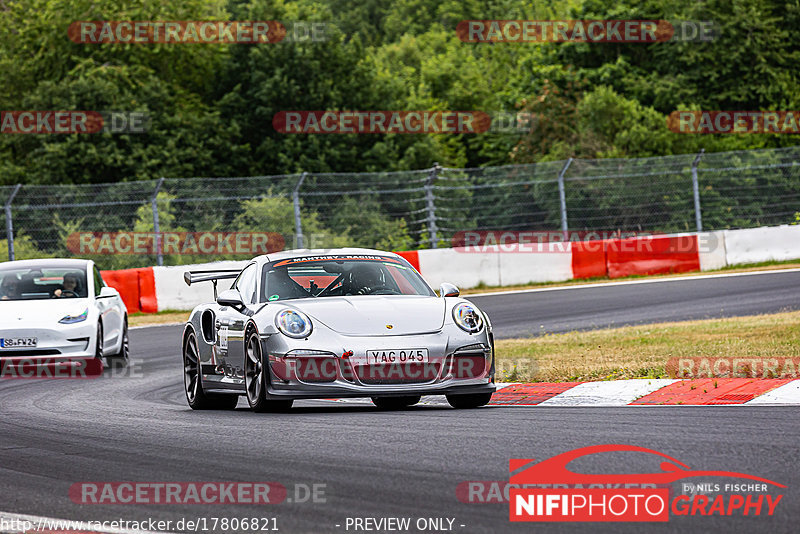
307, 324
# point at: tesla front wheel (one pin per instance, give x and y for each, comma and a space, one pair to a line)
120, 359
98, 346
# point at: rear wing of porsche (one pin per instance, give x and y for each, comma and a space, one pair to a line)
192, 277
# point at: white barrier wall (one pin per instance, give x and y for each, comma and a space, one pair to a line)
753, 245
554, 265
711, 249
503, 265
496, 265
464, 270
172, 293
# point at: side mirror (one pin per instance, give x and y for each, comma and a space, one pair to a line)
230, 297
448, 290
107, 292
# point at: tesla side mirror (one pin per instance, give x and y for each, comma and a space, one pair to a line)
107, 292
448, 290
230, 297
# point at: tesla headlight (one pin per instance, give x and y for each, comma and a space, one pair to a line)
468, 318
293, 323
69, 319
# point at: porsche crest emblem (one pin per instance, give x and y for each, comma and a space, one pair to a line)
389, 326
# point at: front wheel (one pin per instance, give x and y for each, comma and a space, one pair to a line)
193, 382
98, 346
395, 403
475, 400
120, 359
256, 378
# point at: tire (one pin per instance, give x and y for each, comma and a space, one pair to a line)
475, 400
193, 382
121, 358
98, 346
395, 403
256, 378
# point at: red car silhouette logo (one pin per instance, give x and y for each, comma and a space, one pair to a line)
554, 470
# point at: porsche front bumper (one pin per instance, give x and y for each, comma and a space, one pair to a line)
457, 364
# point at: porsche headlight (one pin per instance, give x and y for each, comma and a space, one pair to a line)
468, 318
293, 323
69, 319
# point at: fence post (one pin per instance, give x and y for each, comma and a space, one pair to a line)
156, 227
9, 224
298, 224
430, 206
562, 198
698, 219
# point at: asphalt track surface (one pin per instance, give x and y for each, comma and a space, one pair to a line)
381, 464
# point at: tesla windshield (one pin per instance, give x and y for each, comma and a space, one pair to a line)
329, 276
42, 283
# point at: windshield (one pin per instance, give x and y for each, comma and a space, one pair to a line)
337, 276
42, 283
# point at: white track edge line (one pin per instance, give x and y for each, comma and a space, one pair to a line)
632, 282
142, 327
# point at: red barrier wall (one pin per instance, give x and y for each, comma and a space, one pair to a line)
616, 258
125, 281
412, 257
589, 259
652, 255
137, 287
147, 291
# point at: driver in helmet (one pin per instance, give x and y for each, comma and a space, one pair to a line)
366, 278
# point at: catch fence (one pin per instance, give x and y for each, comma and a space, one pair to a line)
405, 210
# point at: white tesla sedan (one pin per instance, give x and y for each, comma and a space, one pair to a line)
55, 310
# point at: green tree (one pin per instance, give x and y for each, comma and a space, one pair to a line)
276, 214
362, 222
